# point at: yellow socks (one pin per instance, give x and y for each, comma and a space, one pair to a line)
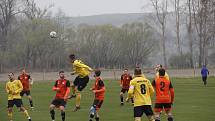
78, 100
10, 115
26, 114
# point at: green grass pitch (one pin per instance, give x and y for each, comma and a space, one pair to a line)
193, 102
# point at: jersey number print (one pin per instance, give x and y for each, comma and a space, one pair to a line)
143, 88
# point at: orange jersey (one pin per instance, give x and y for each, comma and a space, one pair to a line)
164, 90
125, 81
99, 89
24, 78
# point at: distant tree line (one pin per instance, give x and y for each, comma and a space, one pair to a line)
25, 41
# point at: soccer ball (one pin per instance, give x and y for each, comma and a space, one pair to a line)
53, 34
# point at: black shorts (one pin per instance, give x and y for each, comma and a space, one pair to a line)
81, 83
17, 102
59, 102
25, 92
98, 103
139, 110
160, 106
124, 90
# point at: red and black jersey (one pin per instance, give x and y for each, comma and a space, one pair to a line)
24, 78
99, 87
62, 84
125, 80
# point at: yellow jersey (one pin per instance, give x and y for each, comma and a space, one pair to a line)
141, 91
80, 68
13, 89
165, 76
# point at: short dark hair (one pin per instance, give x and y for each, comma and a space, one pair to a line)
11, 73
97, 72
61, 71
137, 71
161, 72
72, 56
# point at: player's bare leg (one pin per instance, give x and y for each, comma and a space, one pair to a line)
30, 102
22, 109
10, 113
73, 95
62, 109
151, 118
137, 119
157, 116
169, 115
52, 112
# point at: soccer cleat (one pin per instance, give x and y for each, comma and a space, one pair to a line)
93, 110
32, 108
121, 103
76, 108
29, 119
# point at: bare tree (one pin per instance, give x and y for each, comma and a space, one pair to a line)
177, 21
7, 13
32, 11
160, 7
203, 24
190, 31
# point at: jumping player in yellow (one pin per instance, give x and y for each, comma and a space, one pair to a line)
81, 80
14, 88
141, 91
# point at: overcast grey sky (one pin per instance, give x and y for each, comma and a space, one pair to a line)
95, 7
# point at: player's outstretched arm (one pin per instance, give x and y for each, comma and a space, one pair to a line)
130, 91
55, 88
151, 89
100, 90
72, 73
172, 95
67, 93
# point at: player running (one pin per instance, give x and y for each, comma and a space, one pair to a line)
159, 66
99, 90
80, 81
13, 88
141, 91
204, 73
164, 96
124, 83
26, 81
62, 88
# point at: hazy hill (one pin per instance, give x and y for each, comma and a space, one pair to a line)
114, 19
